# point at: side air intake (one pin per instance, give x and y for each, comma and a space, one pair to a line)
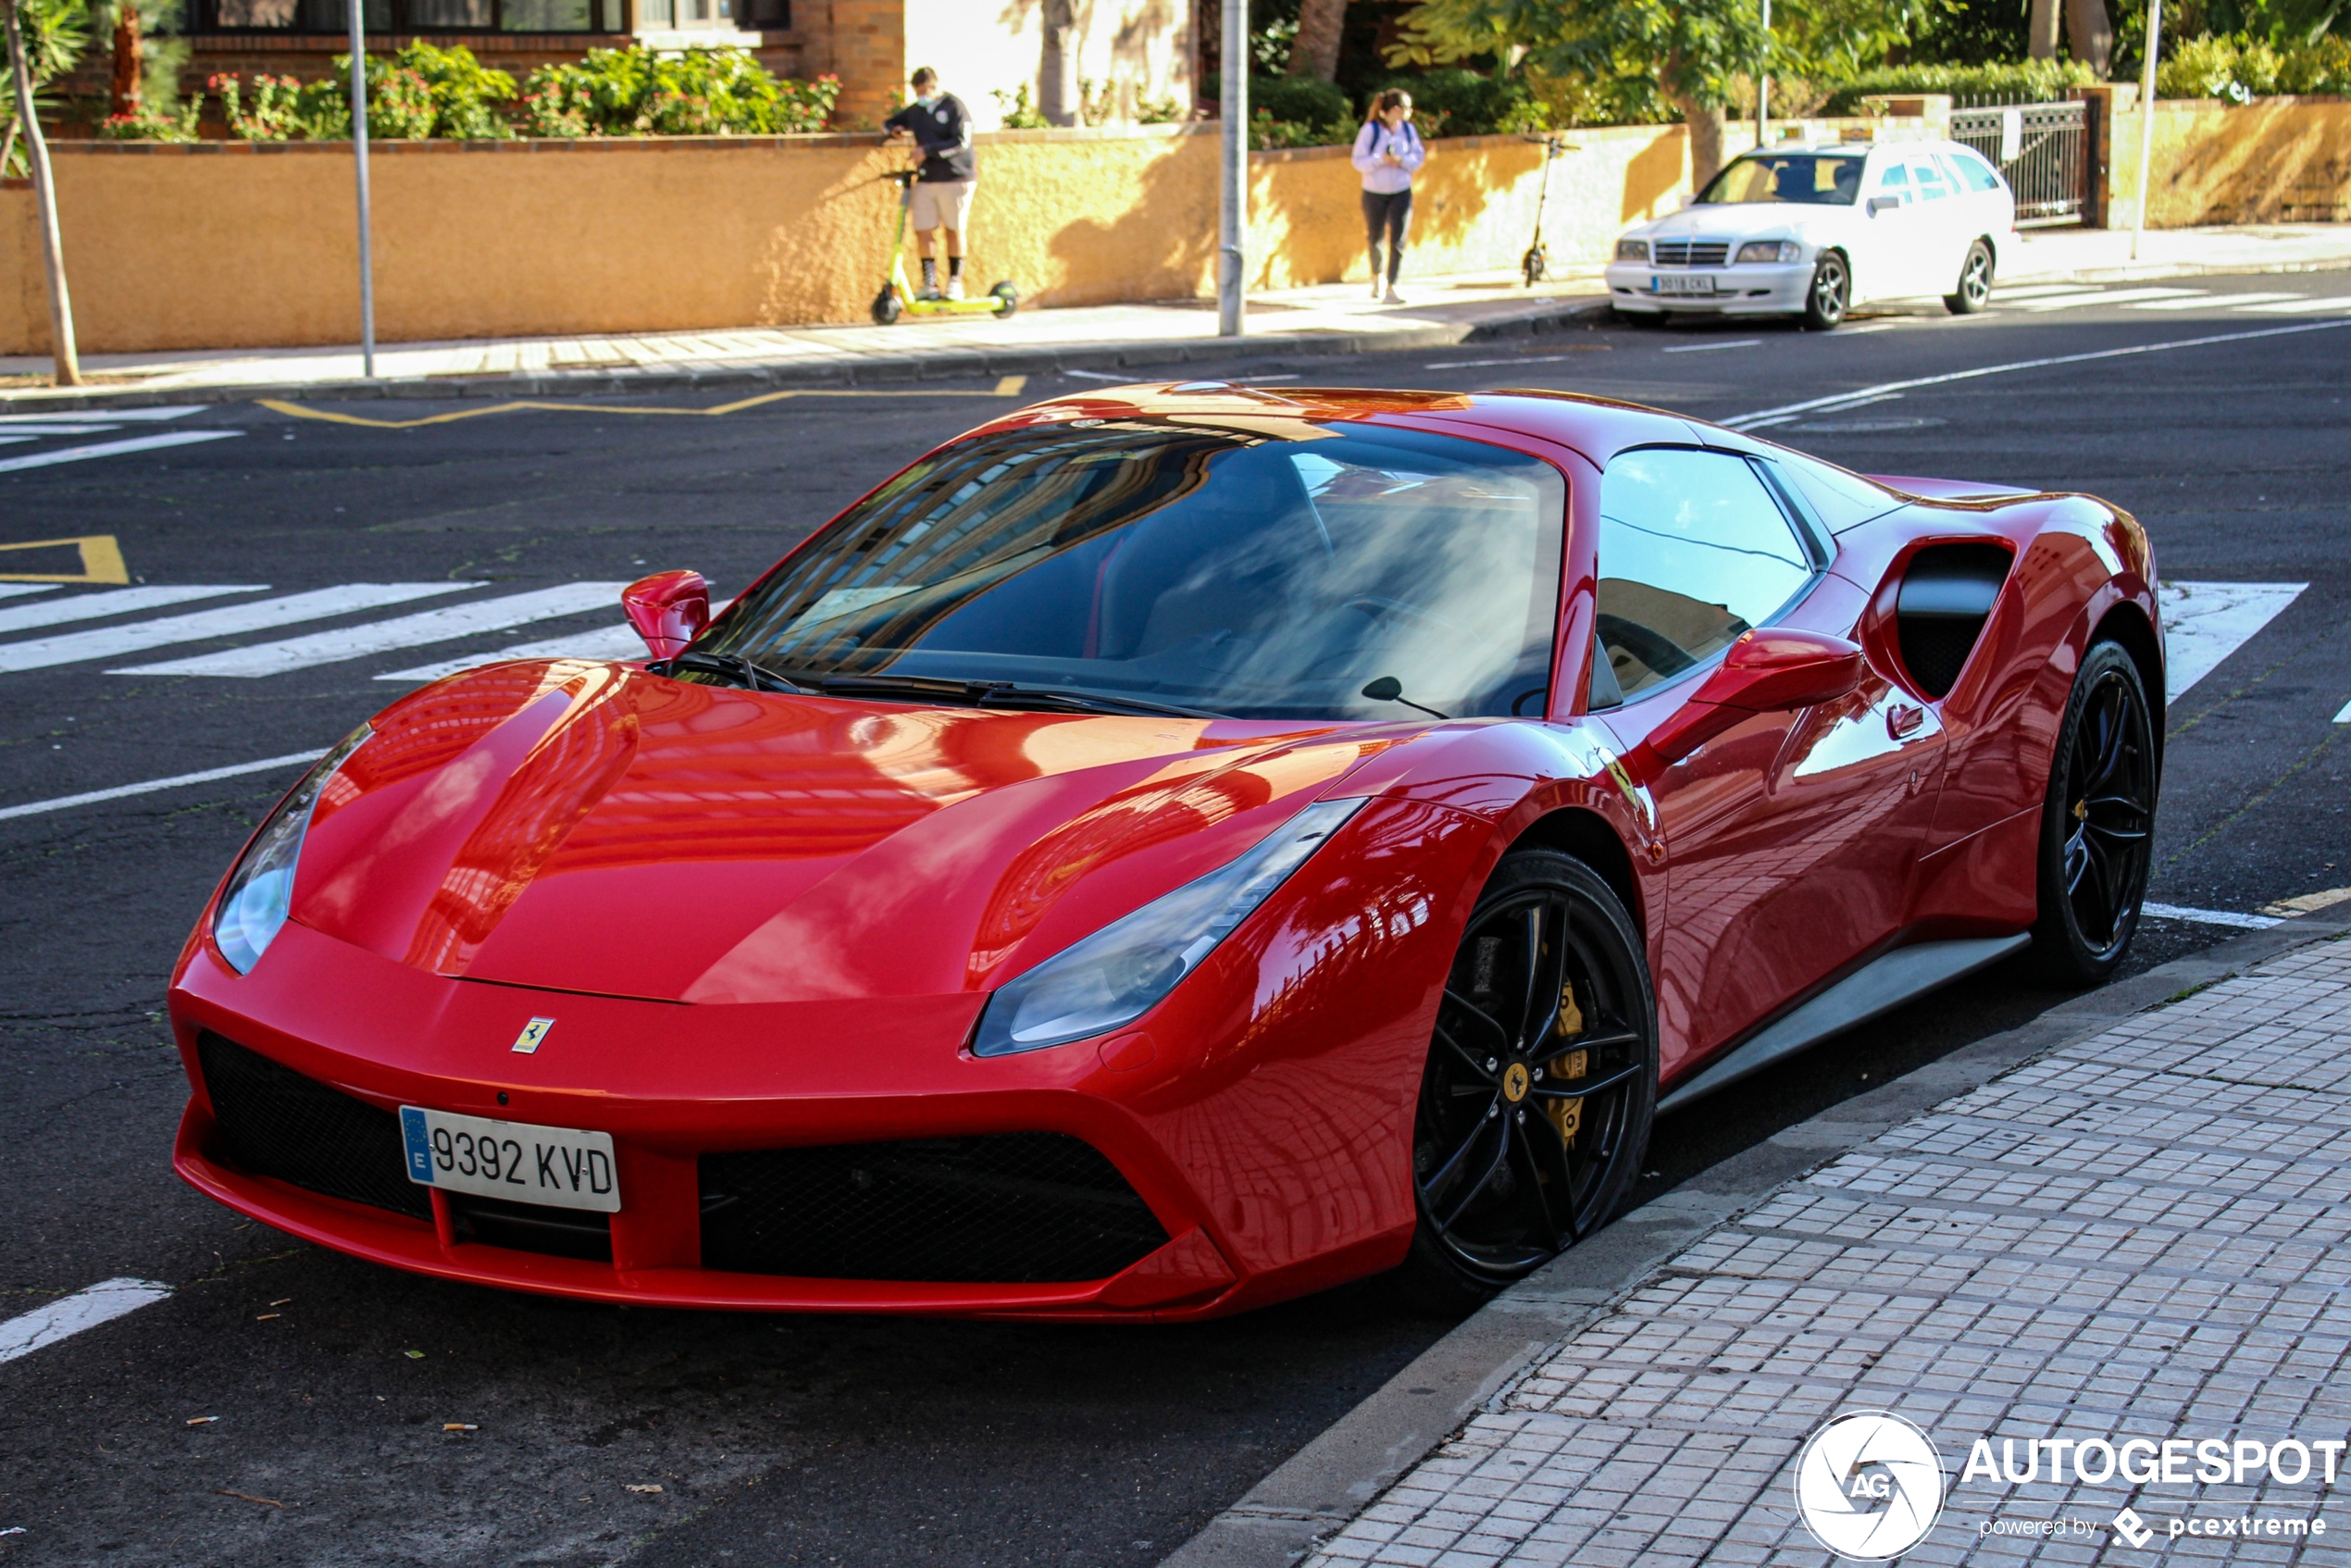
1946, 596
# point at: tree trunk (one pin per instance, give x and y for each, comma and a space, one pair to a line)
2041, 30
2089, 34
1315, 51
1707, 124
44, 196
122, 98
1057, 84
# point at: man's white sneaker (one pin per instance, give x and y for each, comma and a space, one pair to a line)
955, 288
1393, 297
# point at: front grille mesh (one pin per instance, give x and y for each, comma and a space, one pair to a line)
1692, 252
1013, 1208
274, 1122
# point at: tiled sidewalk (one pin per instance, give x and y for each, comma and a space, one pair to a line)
2139, 1234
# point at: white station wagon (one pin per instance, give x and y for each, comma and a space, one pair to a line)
1813, 230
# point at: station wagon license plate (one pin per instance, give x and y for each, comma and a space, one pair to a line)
560, 1166
1662, 283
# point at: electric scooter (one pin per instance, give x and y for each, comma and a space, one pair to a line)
1538, 259
897, 299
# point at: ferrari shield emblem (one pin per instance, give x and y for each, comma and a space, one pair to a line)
532, 1033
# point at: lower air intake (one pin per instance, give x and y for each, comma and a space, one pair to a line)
1006, 1209
274, 1122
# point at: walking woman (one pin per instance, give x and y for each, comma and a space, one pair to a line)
1388, 152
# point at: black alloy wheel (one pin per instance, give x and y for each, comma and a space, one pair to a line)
1541, 1083
2098, 822
1975, 282
1831, 294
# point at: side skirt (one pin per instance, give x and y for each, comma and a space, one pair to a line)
1876, 988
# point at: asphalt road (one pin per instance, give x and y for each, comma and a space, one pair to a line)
865, 1441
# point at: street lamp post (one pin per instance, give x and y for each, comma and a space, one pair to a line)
359, 156
1763, 83
1232, 226
2146, 121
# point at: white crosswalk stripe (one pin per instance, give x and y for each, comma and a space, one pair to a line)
115, 416
2105, 296
604, 643
2301, 307
120, 601
2204, 622
2211, 302
111, 449
442, 624
206, 626
11, 590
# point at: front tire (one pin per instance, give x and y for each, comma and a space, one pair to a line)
1831, 294
1975, 282
2097, 821
1540, 1085
888, 306
1007, 297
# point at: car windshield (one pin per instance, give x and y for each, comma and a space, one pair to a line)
1820, 179
1255, 565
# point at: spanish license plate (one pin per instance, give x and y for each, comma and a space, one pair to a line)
1663, 283
560, 1166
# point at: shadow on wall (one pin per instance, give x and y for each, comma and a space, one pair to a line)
1654, 175
1162, 244
2270, 161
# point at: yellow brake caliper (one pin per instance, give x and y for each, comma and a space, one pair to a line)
1568, 1115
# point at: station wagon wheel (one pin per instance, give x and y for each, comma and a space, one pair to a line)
2099, 821
1541, 1081
1832, 292
1975, 282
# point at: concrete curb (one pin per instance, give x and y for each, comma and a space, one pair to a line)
867, 370
1346, 1468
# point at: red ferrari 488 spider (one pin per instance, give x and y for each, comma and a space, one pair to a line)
1173, 849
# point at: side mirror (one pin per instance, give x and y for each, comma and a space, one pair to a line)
1884, 204
669, 609
1769, 669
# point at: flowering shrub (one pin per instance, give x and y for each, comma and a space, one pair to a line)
634, 92
276, 110
152, 125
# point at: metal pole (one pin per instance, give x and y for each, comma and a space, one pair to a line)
1764, 84
2146, 121
65, 360
359, 156
1232, 225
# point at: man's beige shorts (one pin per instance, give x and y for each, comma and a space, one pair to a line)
943, 203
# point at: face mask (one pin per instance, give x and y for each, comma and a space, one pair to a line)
928, 99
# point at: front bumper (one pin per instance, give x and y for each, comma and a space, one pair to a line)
1751, 289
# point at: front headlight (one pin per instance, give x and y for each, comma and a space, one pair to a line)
253, 906
1632, 250
1770, 250
1121, 971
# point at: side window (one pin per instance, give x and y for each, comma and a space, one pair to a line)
1931, 184
1975, 172
1693, 550
1895, 180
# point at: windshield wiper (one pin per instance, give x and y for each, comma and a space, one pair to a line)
999, 694
743, 671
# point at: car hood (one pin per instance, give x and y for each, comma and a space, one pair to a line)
591, 827
1734, 221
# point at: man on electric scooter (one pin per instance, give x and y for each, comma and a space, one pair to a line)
941, 128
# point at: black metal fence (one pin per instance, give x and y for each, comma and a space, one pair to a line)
2042, 150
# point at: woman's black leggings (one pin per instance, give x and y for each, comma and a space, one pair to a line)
1391, 211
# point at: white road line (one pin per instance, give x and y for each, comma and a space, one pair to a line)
607, 642
2041, 291
121, 602
12, 441
29, 432
2107, 296
141, 414
106, 1300
1481, 364
205, 626
378, 637
2345, 716
1096, 376
1706, 348
10, 589
112, 449
91, 797
2209, 916
1737, 420
2204, 622
2300, 307
2212, 302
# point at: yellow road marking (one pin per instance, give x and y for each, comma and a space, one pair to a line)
1007, 386
101, 560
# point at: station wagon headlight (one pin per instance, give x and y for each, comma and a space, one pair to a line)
1121, 971
1770, 250
252, 907
1632, 250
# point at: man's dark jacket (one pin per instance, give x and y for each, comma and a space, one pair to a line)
943, 132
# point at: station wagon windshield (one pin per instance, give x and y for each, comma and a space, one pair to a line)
1815, 178
1251, 565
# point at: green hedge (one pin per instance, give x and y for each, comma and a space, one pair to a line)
2021, 82
2241, 69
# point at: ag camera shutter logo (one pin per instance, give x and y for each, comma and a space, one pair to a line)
1868, 1486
